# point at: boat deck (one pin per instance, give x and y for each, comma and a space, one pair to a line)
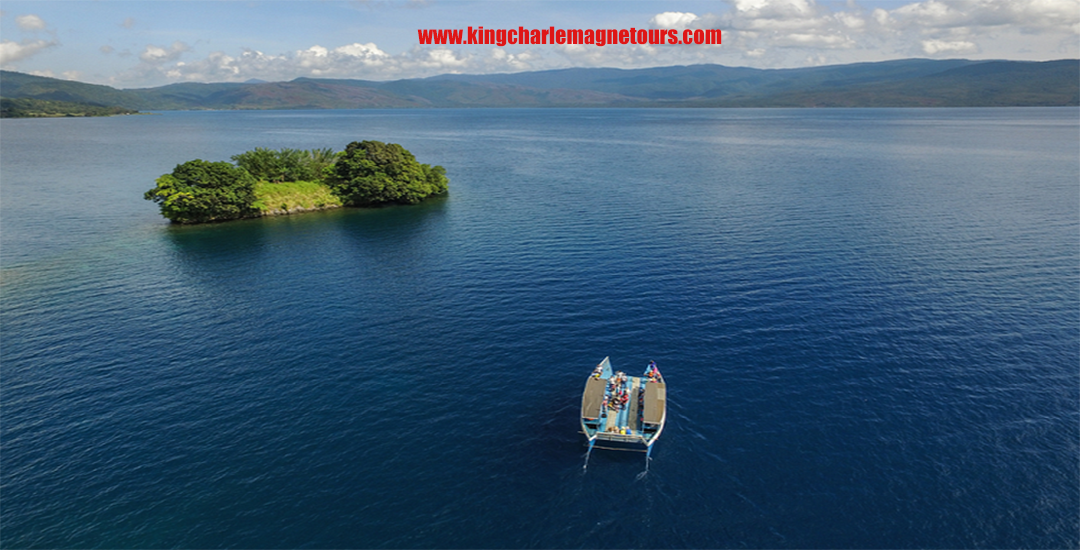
627, 418
609, 422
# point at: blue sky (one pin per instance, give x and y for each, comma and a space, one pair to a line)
131, 44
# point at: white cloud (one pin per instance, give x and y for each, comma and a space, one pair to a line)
851, 20
620, 57
441, 59
128, 23
321, 61
788, 32
367, 51
934, 47
672, 20
157, 55
816, 40
881, 16
11, 51
348, 61
931, 13
1031, 15
776, 9
30, 22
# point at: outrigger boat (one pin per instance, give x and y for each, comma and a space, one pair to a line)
621, 412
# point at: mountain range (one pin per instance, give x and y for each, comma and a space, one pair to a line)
898, 83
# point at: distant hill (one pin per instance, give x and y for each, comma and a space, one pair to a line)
899, 83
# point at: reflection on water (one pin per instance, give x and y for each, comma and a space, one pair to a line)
234, 240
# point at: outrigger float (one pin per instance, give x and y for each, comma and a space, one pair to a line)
621, 412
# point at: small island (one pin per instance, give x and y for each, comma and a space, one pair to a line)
266, 182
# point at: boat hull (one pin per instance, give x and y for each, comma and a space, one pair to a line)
623, 413
625, 443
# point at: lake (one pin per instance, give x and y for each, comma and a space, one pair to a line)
868, 319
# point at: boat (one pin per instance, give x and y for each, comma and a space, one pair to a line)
621, 412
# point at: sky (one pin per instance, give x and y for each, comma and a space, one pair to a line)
145, 43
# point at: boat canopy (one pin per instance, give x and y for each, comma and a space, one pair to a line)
593, 397
655, 401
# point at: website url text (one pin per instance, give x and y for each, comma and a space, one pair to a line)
551, 35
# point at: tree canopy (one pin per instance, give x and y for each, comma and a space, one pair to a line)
372, 172
200, 191
285, 164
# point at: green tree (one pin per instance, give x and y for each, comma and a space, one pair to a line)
200, 191
273, 166
319, 160
368, 173
285, 164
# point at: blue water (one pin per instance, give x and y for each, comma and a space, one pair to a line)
869, 321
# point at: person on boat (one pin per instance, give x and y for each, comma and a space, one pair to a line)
652, 372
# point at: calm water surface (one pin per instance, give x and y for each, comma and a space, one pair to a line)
869, 321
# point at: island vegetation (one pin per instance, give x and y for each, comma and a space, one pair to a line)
369, 173
266, 182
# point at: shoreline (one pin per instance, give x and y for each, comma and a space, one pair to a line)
294, 210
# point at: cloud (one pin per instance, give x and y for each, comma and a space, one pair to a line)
366, 51
369, 61
934, 47
785, 32
1031, 15
156, 55
128, 23
30, 22
776, 9
672, 20
319, 60
779, 32
356, 60
11, 51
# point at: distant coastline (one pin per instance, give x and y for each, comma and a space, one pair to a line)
897, 83
45, 108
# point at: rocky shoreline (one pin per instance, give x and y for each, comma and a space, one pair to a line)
296, 210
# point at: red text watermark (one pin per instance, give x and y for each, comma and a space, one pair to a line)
551, 35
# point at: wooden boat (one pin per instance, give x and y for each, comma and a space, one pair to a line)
623, 412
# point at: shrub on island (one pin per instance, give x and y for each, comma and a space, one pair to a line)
268, 182
370, 173
285, 164
198, 191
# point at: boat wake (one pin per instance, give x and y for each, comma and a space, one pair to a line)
585, 467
